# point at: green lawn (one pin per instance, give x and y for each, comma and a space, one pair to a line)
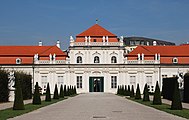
9, 113
166, 108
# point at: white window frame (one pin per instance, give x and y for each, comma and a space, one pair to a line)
60, 79
113, 81
79, 81
18, 60
44, 79
113, 59
175, 60
132, 79
79, 59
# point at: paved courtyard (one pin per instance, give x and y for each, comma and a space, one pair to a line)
97, 106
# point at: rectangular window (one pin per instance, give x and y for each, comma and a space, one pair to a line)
132, 43
79, 81
60, 80
149, 83
44, 82
133, 81
113, 81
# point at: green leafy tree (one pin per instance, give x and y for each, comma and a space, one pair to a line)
61, 91
48, 93
36, 96
146, 93
132, 92
56, 92
176, 101
138, 94
157, 95
18, 101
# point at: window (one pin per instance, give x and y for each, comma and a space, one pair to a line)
132, 43
164, 76
60, 80
79, 59
44, 82
79, 81
113, 81
133, 81
175, 60
113, 59
18, 61
137, 42
94, 40
149, 83
96, 59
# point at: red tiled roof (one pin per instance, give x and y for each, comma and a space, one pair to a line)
163, 50
96, 30
29, 50
9, 54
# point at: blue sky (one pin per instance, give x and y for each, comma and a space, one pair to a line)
25, 22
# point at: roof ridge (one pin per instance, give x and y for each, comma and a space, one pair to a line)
146, 49
46, 50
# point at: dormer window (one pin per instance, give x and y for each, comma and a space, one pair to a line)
79, 59
18, 61
175, 60
94, 40
96, 59
113, 59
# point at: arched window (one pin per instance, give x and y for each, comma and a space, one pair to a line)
96, 59
79, 59
113, 59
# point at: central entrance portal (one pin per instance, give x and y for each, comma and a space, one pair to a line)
96, 84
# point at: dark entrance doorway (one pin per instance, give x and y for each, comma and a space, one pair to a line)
96, 84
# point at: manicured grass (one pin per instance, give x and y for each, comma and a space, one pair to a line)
164, 107
10, 113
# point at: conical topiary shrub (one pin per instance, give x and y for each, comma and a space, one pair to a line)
36, 96
55, 96
68, 91
176, 100
146, 93
48, 93
118, 90
125, 92
128, 91
138, 94
18, 101
65, 91
132, 92
157, 95
75, 92
61, 92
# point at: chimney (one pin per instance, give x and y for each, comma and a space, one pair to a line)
154, 43
58, 43
40, 43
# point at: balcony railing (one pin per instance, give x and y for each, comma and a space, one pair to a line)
51, 62
97, 44
142, 61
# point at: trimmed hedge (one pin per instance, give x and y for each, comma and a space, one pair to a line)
168, 87
186, 87
4, 89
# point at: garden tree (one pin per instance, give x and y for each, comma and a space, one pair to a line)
55, 96
4, 89
36, 96
125, 92
118, 90
132, 92
129, 90
157, 95
65, 92
18, 101
75, 92
48, 94
146, 93
138, 95
176, 100
61, 91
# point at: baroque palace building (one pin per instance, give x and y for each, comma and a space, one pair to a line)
96, 61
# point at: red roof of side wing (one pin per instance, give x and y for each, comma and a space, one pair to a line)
163, 50
96, 30
30, 50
